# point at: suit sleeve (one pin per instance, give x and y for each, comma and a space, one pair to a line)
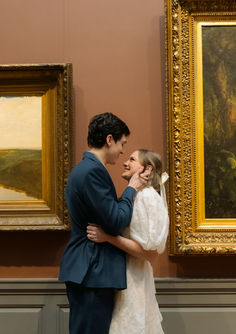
113, 215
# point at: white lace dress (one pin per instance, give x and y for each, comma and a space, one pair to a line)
136, 310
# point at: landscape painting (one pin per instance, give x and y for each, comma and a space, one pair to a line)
20, 148
219, 108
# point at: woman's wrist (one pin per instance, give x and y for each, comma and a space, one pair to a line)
108, 237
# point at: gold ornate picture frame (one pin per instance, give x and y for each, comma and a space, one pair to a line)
201, 103
35, 145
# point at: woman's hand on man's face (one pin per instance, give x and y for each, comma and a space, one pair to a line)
139, 178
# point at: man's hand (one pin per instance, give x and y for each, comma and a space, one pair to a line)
139, 178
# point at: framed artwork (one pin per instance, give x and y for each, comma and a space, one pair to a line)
201, 103
35, 145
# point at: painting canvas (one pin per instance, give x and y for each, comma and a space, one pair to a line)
20, 148
219, 109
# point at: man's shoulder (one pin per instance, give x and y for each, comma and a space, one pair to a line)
88, 168
89, 165
90, 161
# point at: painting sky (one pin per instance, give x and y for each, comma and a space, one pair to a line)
21, 122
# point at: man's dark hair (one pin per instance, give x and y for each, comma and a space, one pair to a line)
101, 126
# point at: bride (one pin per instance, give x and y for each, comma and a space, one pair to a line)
136, 310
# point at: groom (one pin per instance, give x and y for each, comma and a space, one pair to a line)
90, 270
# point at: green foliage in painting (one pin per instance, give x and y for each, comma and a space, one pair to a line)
220, 171
21, 170
219, 98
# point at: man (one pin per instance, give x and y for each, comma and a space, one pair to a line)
92, 271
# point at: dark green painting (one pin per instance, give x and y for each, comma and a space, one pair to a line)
219, 109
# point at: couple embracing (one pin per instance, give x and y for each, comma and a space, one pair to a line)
105, 265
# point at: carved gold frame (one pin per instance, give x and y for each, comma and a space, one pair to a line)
190, 232
53, 82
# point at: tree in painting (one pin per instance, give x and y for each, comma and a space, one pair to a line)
219, 99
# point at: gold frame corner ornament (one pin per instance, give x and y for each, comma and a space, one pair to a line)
190, 232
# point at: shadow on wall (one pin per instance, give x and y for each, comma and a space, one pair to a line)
205, 266
32, 248
156, 70
80, 124
173, 322
198, 320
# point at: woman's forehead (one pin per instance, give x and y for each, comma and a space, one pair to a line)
135, 155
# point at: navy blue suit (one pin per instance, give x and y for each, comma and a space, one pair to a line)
91, 198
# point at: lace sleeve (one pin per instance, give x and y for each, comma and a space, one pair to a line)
150, 222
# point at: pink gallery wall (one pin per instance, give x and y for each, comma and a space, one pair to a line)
117, 49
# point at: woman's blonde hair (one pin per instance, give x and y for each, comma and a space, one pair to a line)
153, 159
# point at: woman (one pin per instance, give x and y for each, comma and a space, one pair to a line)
136, 310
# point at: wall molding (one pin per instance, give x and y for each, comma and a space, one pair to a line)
195, 286
29, 285
188, 306
193, 306
33, 306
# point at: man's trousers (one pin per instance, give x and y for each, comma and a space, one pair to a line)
90, 309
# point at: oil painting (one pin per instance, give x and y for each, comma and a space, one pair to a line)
35, 145
20, 148
219, 107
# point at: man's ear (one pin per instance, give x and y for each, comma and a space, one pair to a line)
109, 140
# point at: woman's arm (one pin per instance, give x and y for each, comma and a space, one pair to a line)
132, 247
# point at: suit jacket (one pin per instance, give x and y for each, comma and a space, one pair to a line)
91, 198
